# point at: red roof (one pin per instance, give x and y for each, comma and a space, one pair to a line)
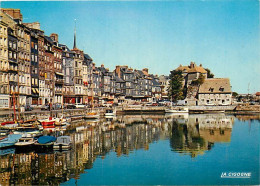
257, 94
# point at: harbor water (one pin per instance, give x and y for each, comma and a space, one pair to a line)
195, 149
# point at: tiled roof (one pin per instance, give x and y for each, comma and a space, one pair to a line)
197, 69
192, 68
215, 85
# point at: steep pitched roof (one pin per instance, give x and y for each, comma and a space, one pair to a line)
191, 68
48, 39
215, 85
155, 83
197, 69
88, 57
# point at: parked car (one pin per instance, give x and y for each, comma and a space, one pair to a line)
155, 104
28, 108
45, 107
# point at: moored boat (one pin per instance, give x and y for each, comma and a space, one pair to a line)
91, 115
10, 140
28, 131
45, 142
25, 142
9, 124
47, 123
62, 143
110, 112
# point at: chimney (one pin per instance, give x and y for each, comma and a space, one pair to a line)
145, 70
102, 65
118, 71
14, 13
200, 65
54, 37
192, 64
34, 25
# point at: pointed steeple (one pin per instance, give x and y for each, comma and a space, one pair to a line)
75, 46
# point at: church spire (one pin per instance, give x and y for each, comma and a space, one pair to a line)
75, 46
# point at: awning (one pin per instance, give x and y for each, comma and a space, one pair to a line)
59, 73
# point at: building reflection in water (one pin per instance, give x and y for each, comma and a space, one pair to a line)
198, 133
191, 134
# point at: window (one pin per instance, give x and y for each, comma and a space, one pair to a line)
221, 89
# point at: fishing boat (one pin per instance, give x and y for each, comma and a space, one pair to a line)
10, 140
110, 112
177, 110
45, 142
91, 115
47, 123
25, 142
9, 124
28, 131
62, 143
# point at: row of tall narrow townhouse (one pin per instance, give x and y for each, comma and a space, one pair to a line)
36, 70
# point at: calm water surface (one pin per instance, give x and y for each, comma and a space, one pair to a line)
145, 150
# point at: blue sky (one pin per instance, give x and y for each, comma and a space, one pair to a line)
160, 35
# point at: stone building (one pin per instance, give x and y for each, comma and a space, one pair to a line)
4, 64
215, 91
34, 68
68, 71
49, 73
57, 62
164, 84
13, 66
191, 72
24, 63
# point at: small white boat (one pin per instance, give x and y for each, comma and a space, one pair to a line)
110, 112
25, 142
62, 143
177, 110
28, 131
91, 115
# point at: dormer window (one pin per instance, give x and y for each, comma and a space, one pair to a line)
211, 89
221, 89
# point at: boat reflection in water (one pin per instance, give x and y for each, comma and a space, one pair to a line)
188, 134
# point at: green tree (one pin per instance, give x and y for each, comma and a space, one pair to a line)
175, 89
209, 74
199, 81
234, 94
